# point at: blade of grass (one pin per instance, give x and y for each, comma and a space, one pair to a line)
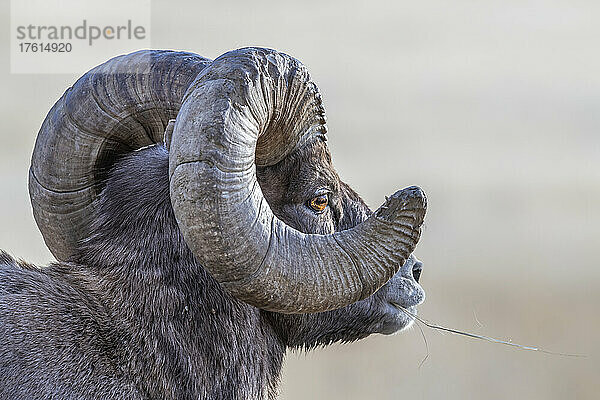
481, 337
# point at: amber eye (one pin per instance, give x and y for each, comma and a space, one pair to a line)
319, 203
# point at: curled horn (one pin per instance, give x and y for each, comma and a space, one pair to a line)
117, 107
249, 107
253, 107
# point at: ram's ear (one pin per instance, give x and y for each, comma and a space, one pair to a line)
169, 134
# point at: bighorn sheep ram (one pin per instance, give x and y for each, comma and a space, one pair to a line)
201, 230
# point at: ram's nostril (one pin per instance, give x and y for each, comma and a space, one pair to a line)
416, 270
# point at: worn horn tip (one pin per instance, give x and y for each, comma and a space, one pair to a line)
411, 200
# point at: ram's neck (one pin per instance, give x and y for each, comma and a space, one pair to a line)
176, 330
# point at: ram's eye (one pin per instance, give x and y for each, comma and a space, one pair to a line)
319, 203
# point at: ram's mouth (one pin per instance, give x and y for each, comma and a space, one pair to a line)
407, 312
397, 319
411, 309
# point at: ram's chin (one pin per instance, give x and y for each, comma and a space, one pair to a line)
396, 320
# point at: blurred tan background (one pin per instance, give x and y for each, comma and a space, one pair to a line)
492, 107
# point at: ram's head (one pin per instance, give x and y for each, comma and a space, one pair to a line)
251, 181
